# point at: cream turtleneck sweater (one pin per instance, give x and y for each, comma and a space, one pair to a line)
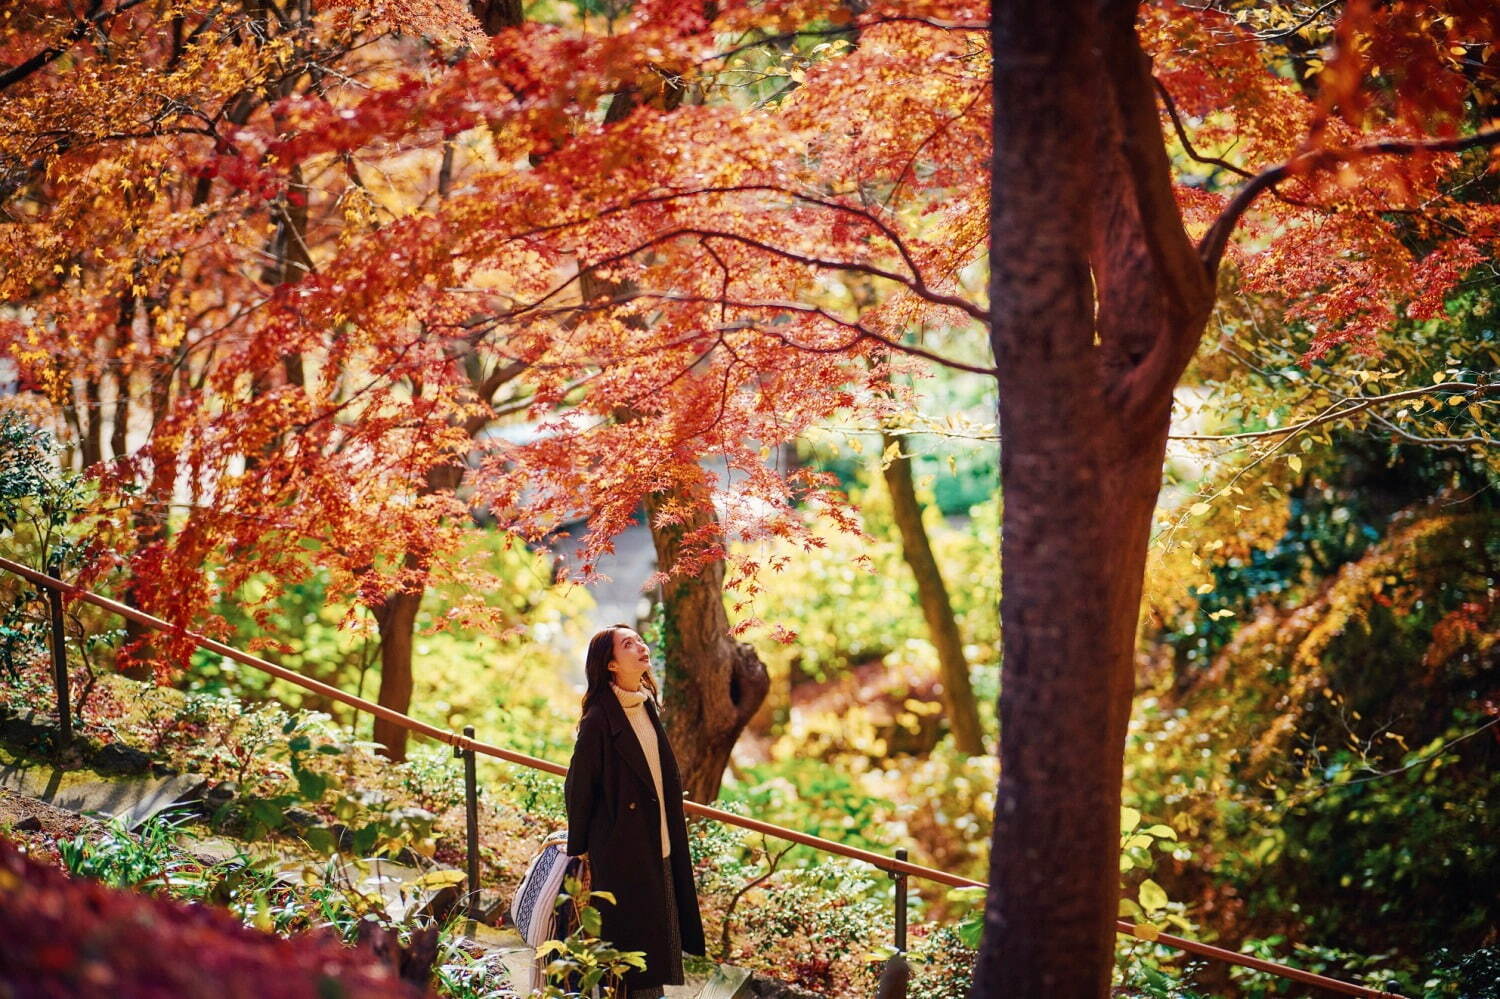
634, 703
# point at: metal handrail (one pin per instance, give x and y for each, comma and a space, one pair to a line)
463, 744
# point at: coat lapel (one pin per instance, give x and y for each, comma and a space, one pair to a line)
626, 742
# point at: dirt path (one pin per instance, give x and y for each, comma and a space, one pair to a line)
37, 826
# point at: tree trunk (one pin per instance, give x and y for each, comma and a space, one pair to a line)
396, 619
495, 16
1098, 300
123, 330
713, 682
92, 442
937, 609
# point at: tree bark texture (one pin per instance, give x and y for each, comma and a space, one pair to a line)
937, 609
1098, 300
396, 619
713, 683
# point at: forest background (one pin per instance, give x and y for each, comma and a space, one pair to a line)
282, 278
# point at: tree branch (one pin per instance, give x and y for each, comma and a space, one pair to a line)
915, 283
848, 29
1154, 294
1145, 157
1187, 144
861, 332
93, 19
1349, 405
1211, 248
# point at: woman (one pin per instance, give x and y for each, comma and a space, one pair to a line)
624, 799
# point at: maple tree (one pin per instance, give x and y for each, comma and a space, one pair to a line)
721, 221
1097, 311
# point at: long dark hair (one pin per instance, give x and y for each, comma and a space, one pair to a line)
596, 673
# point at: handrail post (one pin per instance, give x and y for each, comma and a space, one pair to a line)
896, 976
900, 877
54, 600
471, 807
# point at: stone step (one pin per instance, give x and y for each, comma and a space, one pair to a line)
726, 982
132, 800
405, 892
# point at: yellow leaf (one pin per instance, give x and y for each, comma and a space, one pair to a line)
1146, 931
1129, 818
1455, 400
1199, 509
1295, 462
1151, 896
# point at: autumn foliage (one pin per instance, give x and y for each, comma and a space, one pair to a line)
274, 271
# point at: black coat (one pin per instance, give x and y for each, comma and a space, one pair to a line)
613, 816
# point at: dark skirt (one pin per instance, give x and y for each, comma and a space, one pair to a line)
674, 974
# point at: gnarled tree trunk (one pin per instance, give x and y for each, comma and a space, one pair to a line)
713, 683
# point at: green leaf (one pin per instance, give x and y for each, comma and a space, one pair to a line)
1129, 818
970, 929
319, 838
1162, 831
310, 785
364, 838
591, 920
